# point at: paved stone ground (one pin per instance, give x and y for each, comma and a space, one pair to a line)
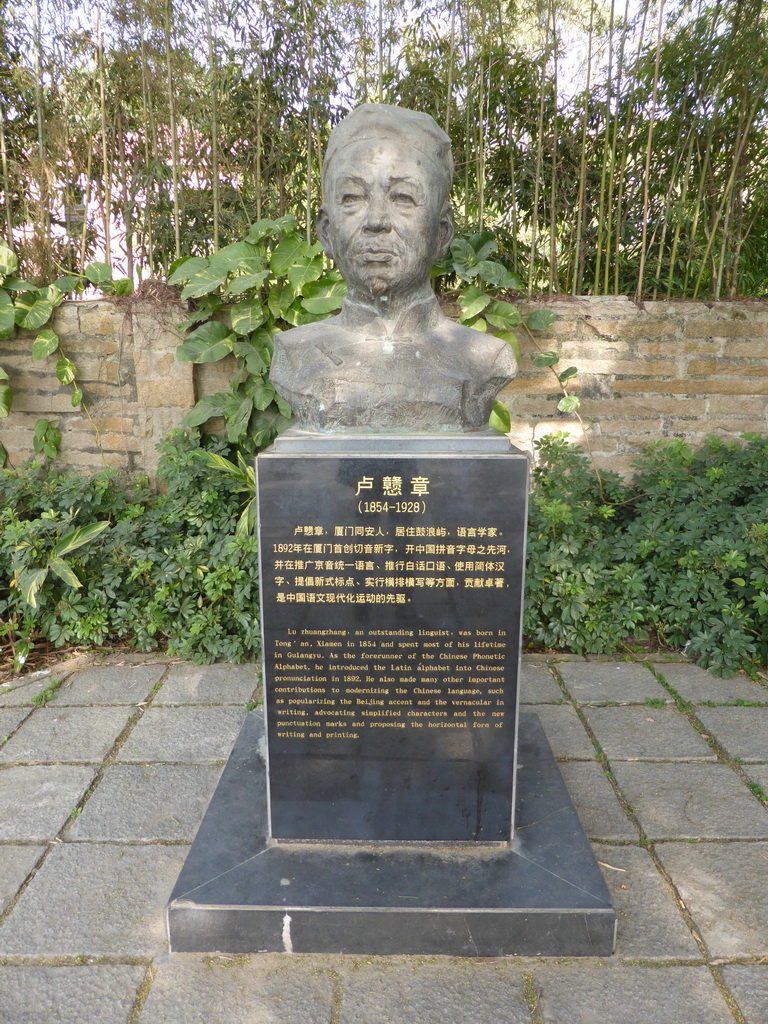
103, 786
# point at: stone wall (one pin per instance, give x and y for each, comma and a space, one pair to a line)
677, 369
681, 369
135, 389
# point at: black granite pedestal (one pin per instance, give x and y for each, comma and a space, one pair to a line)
543, 894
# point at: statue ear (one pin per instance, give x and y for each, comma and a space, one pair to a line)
323, 228
445, 229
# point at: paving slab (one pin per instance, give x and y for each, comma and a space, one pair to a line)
696, 684
743, 732
147, 803
650, 925
54, 734
15, 864
564, 730
691, 801
110, 684
601, 682
583, 994
95, 900
20, 694
759, 774
186, 734
748, 984
10, 718
537, 686
599, 810
635, 732
209, 684
36, 800
96, 994
190, 989
725, 886
462, 991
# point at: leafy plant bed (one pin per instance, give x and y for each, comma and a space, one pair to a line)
679, 556
164, 570
675, 560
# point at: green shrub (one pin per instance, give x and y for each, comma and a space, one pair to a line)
680, 555
170, 569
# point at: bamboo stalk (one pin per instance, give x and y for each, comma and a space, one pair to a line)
215, 184
172, 126
106, 174
649, 143
6, 179
578, 255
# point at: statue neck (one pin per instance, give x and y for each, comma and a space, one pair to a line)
416, 312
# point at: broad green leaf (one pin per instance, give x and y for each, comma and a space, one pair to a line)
68, 283
7, 314
323, 297
483, 243
3, 374
54, 295
33, 310
546, 359
244, 282
260, 392
77, 397
472, 301
510, 339
208, 407
66, 370
9, 261
15, 284
98, 273
63, 571
6, 399
247, 316
499, 418
502, 314
3, 456
237, 420
29, 583
303, 272
206, 344
286, 253
123, 286
237, 256
284, 225
254, 361
45, 344
567, 374
279, 300
207, 279
78, 538
187, 269
570, 403
540, 319
262, 229
479, 325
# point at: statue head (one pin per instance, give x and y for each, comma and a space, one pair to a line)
386, 217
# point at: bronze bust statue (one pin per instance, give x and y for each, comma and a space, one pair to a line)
391, 360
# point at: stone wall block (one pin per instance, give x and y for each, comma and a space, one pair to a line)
716, 328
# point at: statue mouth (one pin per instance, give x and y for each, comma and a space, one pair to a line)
377, 255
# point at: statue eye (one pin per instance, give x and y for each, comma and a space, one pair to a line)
351, 197
403, 199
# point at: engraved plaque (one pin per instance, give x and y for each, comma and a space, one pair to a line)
392, 576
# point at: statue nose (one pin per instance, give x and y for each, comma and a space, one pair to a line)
377, 218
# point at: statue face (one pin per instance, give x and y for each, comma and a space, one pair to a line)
383, 221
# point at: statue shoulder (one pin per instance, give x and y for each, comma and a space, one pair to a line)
493, 354
307, 334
